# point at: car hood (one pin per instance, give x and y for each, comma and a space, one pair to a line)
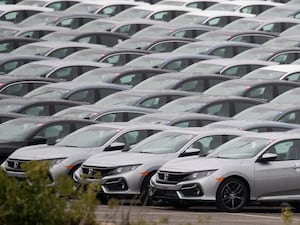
127, 158
197, 164
47, 152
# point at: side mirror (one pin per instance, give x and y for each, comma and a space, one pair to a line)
190, 152
52, 141
115, 146
268, 157
37, 141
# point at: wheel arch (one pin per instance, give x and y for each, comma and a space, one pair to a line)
243, 180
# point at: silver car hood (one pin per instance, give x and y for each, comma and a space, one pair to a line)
126, 158
191, 164
48, 152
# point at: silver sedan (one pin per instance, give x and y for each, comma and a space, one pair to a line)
263, 167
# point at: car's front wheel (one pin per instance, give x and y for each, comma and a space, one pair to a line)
232, 195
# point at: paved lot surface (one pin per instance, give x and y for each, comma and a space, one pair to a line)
196, 215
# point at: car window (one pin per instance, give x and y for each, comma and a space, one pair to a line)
292, 117
83, 96
286, 150
132, 137
9, 66
264, 93
219, 109
193, 85
155, 102
111, 117
129, 79
38, 110
293, 77
18, 89
54, 131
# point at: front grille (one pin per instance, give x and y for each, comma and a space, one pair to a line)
93, 172
15, 165
164, 194
165, 177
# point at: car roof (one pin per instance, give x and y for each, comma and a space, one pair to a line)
246, 124
73, 85
59, 44
230, 62
62, 63
28, 101
286, 68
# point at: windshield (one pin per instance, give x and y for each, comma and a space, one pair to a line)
89, 137
285, 42
96, 75
9, 107
213, 36
182, 105
240, 148
84, 8
32, 70
227, 89
193, 49
157, 83
225, 7
242, 24
189, 19
260, 54
32, 3
146, 61
73, 113
118, 99
258, 114
39, 19
264, 74
46, 92
203, 68
5, 32
87, 55
127, 14
149, 31
163, 143
56, 36
133, 44
97, 25
289, 97
17, 130
276, 12
32, 50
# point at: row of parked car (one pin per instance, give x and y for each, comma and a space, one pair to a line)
175, 101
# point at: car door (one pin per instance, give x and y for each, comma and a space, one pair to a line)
279, 177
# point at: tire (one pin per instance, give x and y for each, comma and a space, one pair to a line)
144, 197
296, 206
232, 195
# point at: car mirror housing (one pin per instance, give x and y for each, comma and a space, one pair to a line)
268, 157
115, 146
190, 152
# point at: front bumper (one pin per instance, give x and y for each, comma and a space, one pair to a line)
203, 189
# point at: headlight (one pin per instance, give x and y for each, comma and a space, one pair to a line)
123, 169
55, 161
200, 174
